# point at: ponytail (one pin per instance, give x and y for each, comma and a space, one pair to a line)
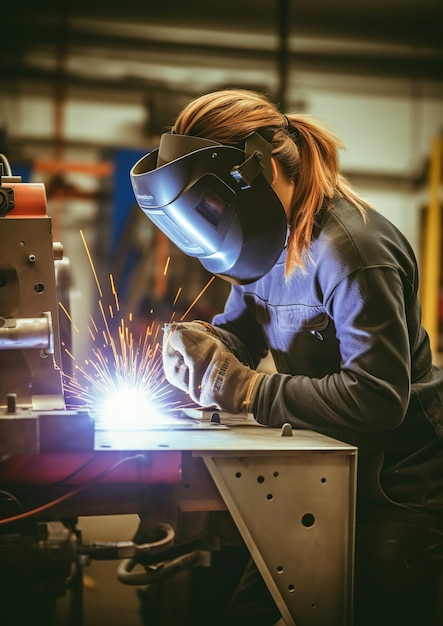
317, 180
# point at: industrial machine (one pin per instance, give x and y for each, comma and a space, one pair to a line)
195, 479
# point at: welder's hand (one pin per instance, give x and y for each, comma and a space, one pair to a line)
232, 342
200, 363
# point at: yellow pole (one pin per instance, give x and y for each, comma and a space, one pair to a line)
432, 254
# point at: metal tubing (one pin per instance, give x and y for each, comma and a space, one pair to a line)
16, 334
164, 571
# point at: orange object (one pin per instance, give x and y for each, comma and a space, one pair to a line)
29, 199
56, 167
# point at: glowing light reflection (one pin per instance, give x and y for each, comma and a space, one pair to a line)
117, 407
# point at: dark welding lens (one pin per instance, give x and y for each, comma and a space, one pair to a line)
212, 206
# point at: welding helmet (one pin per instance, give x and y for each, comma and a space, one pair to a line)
215, 202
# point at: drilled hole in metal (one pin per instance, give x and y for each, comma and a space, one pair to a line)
308, 520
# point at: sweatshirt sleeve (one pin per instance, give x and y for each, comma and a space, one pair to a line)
370, 392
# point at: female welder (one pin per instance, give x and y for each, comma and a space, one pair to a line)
330, 289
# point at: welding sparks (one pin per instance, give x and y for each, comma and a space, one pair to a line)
122, 382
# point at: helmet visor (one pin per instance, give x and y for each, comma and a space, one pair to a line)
196, 200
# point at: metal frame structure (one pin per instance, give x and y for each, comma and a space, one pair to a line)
292, 499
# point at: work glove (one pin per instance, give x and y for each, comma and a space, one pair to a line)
196, 359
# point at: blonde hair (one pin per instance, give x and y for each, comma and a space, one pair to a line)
306, 151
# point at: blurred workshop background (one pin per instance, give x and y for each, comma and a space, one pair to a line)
86, 87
